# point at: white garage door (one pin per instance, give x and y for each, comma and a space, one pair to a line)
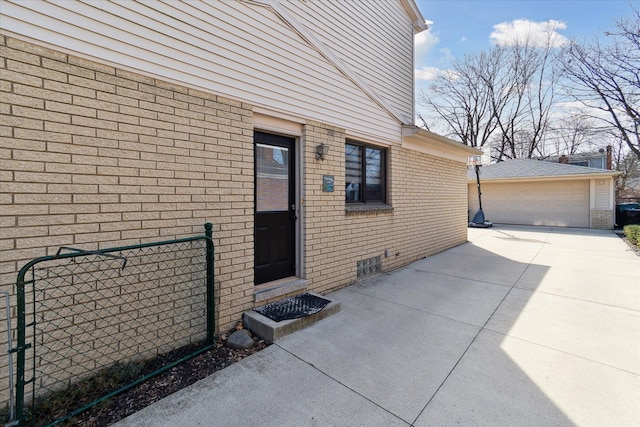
553, 203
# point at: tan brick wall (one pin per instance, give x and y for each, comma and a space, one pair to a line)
94, 157
428, 194
602, 219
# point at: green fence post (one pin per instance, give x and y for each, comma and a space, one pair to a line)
211, 307
22, 341
20, 350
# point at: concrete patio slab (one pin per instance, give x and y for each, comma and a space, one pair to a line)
587, 241
516, 245
464, 300
271, 388
397, 356
614, 265
544, 387
477, 264
602, 333
514, 233
519, 248
586, 284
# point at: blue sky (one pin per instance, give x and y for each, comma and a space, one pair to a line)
458, 27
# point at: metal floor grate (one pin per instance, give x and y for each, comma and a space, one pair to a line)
293, 307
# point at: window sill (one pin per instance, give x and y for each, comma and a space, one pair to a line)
365, 209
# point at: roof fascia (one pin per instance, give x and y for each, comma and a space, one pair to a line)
333, 59
417, 20
424, 141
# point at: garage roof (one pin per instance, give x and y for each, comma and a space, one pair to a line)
527, 168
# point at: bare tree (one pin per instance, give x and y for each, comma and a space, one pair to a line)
606, 78
526, 105
502, 97
460, 98
572, 133
629, 165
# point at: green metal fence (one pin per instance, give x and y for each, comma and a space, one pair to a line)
102, 314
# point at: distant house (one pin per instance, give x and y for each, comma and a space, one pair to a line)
286, 124
601, 159
534, 192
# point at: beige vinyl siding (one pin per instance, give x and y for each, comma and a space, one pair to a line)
602, 203
237, 49
383, 59
602, 194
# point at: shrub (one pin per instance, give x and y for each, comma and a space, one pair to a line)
633, 233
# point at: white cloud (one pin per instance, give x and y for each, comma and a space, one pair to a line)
430, 73
426, 40
538, 33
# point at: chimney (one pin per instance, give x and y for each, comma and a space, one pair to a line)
564, 159
609, 161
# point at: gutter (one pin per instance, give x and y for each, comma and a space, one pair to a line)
605, 174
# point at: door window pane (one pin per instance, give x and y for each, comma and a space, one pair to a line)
272, 178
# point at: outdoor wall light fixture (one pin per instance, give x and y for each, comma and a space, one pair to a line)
321, 151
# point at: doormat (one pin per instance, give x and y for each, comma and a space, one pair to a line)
293, 307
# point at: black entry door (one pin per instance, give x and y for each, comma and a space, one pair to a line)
275, 207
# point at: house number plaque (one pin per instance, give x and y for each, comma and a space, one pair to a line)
327, 183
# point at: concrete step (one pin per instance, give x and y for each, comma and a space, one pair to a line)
271, 331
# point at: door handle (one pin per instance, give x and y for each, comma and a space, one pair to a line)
292, 213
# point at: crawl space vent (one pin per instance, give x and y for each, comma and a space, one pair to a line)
369, 266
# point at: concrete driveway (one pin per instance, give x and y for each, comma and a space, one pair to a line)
520, 326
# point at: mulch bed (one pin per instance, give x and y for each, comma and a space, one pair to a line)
156, 388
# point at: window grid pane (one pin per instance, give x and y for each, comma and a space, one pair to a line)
353, 161
374, 177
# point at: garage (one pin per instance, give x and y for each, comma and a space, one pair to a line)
552, 203
533, 192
